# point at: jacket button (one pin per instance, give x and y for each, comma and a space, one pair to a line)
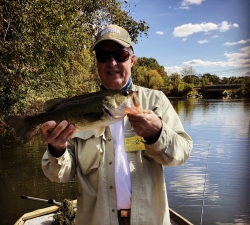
109, 139
113, 210
110, 163
110, 187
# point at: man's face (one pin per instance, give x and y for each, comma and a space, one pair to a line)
113, 74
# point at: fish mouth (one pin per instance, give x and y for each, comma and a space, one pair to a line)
107, 112
116, 113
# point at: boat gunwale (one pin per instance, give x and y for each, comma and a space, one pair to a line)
180, 220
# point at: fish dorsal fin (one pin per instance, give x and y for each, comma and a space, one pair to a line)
52, 103
58, 103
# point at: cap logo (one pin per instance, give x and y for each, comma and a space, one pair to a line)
112, 30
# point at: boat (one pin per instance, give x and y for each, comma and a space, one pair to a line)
45, 217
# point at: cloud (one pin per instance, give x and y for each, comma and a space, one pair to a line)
173, 69
199, 62
237, 59
186, 3
189, 29
224, 26
236, 43
241, 58
159, 32
203, 41
184, 39
215, 36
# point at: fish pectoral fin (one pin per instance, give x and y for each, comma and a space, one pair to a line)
99, 131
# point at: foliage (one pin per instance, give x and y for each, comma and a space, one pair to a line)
148, 73
231, 80
212, 79
244, 90
151, 63
191, 79
151, 79
178, 86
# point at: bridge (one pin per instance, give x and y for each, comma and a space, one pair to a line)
217, 89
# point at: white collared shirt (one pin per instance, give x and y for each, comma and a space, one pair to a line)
122, 173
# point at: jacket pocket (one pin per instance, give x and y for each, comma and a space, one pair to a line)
89, 154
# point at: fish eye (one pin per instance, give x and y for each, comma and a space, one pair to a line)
126, 93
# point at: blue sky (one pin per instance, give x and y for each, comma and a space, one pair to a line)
211, 36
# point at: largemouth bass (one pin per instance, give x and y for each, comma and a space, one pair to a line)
92, 111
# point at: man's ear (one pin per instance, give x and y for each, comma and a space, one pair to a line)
132, 59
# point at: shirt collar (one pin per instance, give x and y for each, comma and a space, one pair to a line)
127, 86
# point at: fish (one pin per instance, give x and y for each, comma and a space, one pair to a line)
92, 111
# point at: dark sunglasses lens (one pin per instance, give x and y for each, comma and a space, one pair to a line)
103, 56
121, 56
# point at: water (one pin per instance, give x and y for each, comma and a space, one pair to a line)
219, 163
220, 160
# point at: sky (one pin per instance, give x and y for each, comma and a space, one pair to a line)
211, 36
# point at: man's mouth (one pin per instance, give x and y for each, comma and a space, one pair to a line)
113, 72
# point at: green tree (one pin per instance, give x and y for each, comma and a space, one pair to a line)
148, 64
191, 79
151, 79
152, 64
205, 81
244, 90
177, 84
212, 79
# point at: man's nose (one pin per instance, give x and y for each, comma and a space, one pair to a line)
112, 60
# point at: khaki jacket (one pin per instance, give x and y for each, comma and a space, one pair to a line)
91, 159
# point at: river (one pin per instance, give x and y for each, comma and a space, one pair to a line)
212, 186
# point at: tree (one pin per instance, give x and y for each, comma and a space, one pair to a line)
151, 79
191, 79
143, 64
212, 79
188, 71
152, 64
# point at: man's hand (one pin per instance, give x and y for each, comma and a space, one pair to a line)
146, 124
57, 135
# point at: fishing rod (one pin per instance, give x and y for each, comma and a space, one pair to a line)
204, 188
50, 201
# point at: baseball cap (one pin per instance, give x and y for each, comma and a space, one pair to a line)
113, 33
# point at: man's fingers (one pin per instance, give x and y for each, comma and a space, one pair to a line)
48, 126
57, 134
66, 133
59, 128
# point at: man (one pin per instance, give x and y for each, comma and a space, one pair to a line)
119, 180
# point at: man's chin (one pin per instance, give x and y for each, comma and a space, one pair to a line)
114, 85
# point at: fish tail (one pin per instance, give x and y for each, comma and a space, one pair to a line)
21, 125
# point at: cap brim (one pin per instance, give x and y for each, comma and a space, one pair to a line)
123, 43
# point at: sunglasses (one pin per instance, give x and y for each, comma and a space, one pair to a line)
119, 56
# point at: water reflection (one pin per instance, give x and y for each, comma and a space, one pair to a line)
223, 127
21, 174
220, 129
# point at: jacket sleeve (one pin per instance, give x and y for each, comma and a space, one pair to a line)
174, 145
62, 169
